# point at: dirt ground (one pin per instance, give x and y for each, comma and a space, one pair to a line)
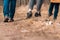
34, 28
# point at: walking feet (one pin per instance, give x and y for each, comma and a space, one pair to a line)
8, 19
29, 14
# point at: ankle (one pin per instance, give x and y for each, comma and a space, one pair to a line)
29, 10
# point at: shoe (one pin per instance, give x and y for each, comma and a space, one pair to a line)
6, 20
50, 14
11, 20
29, 14
37, 14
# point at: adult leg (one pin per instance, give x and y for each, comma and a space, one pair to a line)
12, 9
31, 5
39, 5
6, 10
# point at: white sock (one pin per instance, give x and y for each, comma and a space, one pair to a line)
29, 10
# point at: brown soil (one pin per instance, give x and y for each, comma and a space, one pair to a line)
29, 29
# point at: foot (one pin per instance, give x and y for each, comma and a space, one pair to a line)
11, 20
37, 14
50, 14
54, 19
29, 14
6, 20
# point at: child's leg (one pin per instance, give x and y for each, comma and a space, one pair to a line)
56, 10
12, 8
51, 9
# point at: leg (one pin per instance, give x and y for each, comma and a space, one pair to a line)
51, 9
56, 10
12, 8
6, 10
39, 5
31, 4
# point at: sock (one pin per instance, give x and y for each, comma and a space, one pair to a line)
29, 10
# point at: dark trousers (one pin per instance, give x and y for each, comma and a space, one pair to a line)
56, 7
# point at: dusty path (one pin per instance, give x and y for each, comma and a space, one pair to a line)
29, 29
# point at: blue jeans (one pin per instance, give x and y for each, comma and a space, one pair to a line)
9, 8
56, 6
39, 4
